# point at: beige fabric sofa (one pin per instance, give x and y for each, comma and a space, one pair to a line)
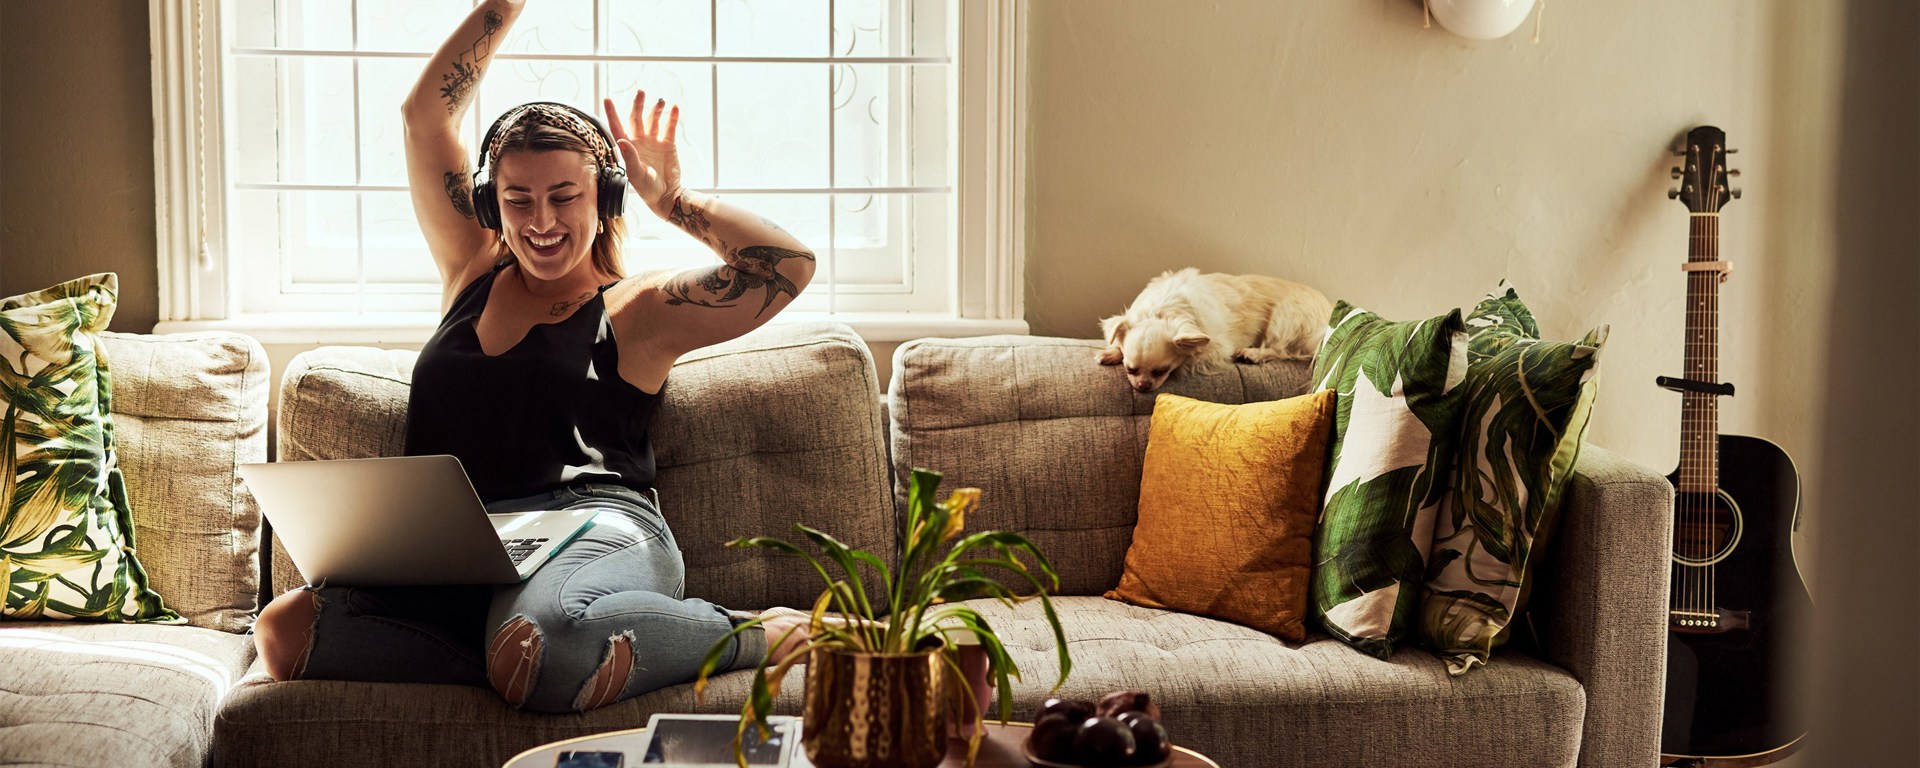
788, 425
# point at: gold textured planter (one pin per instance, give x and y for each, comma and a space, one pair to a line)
875, 710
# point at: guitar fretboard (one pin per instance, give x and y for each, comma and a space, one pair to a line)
1699, 412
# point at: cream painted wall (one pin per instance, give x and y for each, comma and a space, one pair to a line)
1409, 170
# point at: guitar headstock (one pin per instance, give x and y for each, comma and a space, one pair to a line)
1705, 180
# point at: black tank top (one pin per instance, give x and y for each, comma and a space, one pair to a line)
550, 411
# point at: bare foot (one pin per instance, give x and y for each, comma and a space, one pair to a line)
786, 632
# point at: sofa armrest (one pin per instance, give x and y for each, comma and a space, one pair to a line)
1600, 610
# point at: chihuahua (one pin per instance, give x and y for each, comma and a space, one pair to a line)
1200, 322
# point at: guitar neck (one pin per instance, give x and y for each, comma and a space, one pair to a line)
1699, 411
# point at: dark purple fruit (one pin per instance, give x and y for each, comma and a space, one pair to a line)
1075, 709
1052, 737
1103, 741
1127, 701
1150, 742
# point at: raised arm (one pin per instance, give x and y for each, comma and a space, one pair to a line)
763, 267
439, 165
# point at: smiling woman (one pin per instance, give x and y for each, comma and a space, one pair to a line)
542, 378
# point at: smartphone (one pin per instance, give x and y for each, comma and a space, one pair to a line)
707, 740
590, 760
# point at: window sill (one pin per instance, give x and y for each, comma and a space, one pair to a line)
417, 327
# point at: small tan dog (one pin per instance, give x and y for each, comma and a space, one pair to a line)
1201, 322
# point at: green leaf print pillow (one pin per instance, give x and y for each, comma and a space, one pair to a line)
66, 543
1527, 407
1398, 387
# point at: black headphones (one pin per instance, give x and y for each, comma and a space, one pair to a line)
613, 178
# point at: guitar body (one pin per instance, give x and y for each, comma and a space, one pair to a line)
1725, 683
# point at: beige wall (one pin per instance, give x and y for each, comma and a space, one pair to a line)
76, 150
1409, 170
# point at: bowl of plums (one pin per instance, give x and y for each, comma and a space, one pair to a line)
1122, 729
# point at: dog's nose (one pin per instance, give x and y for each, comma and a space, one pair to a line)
1143, 387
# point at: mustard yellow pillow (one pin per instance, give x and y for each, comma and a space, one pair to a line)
1228, 499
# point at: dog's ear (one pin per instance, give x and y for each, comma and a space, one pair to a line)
1114, 328
1191, 339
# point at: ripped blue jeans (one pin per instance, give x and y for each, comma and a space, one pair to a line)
603, 621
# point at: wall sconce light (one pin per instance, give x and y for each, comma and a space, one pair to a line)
1483, 19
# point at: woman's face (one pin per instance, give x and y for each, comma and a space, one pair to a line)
549, 209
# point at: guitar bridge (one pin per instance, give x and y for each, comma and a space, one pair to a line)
1708, 622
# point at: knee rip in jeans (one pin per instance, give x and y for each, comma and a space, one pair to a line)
610, 679
513, 658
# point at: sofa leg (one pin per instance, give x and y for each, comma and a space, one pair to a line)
513, 658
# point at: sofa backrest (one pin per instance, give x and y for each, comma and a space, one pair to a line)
1054, 440
188, 409
780, 426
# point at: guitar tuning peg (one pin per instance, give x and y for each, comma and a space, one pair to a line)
1734, 172
1736, 193
1673, 194
1676, 171
1732, 151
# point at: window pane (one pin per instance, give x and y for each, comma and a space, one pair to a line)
690, 86
384, 84
773, 125
397, 256
322, 238
400, 25
865, 28
310, 139
512, 83
880, 139
772, 28
661, 27
293, 24
553, 26
928, 24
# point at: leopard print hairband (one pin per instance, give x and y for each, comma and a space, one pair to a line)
554, 117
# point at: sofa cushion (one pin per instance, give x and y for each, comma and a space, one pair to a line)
1245, 698
1527, 405
1240, 483
1394, 436
326, 723
67, 540
113, 694
188, 409
776, 427
1054, 440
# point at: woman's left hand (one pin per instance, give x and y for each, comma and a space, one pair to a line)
653, 165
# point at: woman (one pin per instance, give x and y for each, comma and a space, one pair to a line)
542, 377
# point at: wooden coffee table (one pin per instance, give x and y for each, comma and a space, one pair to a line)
1000, 749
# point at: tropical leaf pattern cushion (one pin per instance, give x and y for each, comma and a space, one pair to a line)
66, 543
1527, 407
1398, 387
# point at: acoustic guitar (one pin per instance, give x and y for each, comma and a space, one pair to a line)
1736, 595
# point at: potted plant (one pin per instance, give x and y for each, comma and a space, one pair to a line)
899, 643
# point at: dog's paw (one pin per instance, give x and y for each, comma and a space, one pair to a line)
1254, 355
1109, 356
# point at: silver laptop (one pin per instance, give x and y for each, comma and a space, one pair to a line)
407, 520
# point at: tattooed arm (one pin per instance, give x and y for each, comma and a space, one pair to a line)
763, 267
439, 164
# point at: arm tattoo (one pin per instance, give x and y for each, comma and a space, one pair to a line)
466, 66
460, 190
751, 268
689, 217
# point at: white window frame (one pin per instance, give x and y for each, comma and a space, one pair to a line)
986, 291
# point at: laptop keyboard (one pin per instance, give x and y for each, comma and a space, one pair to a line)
521, 549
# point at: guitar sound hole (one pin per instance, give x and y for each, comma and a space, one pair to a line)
1706, 528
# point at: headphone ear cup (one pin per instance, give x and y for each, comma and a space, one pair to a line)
613, 192
486, 209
